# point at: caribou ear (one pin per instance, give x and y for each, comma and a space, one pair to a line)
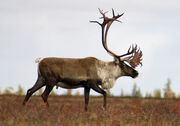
116, 60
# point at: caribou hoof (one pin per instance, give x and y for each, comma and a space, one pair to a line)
24, 103
45, 105
103, 108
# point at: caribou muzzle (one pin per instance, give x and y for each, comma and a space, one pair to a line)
134, 74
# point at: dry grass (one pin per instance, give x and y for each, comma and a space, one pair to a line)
69, 111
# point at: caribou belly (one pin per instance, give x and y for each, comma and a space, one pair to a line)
67, 86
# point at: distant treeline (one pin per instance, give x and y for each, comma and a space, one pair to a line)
136, 92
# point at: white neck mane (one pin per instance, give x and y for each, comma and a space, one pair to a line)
108, 72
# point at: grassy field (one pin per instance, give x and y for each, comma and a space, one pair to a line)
69, 111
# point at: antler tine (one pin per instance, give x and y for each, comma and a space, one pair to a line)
118, 21
101, 11
113, 12
104, 17
135, 48
130, 51
131, 48
95, 22
115, 17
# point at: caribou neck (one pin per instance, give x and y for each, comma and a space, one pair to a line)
109, 70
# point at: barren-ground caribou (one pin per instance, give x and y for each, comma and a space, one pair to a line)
89, 73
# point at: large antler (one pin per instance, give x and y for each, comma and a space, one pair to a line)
107, 21
135, 55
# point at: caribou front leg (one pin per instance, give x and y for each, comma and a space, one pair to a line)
86, 97
96, 88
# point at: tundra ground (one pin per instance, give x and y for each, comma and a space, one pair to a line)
69, 111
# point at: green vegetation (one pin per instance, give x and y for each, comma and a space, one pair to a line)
168, 93
157, 93
136, 92
20, 90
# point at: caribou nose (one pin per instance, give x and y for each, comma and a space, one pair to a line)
135, 74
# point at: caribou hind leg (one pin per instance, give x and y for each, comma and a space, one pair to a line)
46, 93
39, 84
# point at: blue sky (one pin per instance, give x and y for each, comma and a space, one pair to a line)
43, 28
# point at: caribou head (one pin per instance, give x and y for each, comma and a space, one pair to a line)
133, 56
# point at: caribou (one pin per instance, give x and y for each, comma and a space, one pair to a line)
88, 73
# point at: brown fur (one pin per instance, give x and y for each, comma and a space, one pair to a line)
68, 68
